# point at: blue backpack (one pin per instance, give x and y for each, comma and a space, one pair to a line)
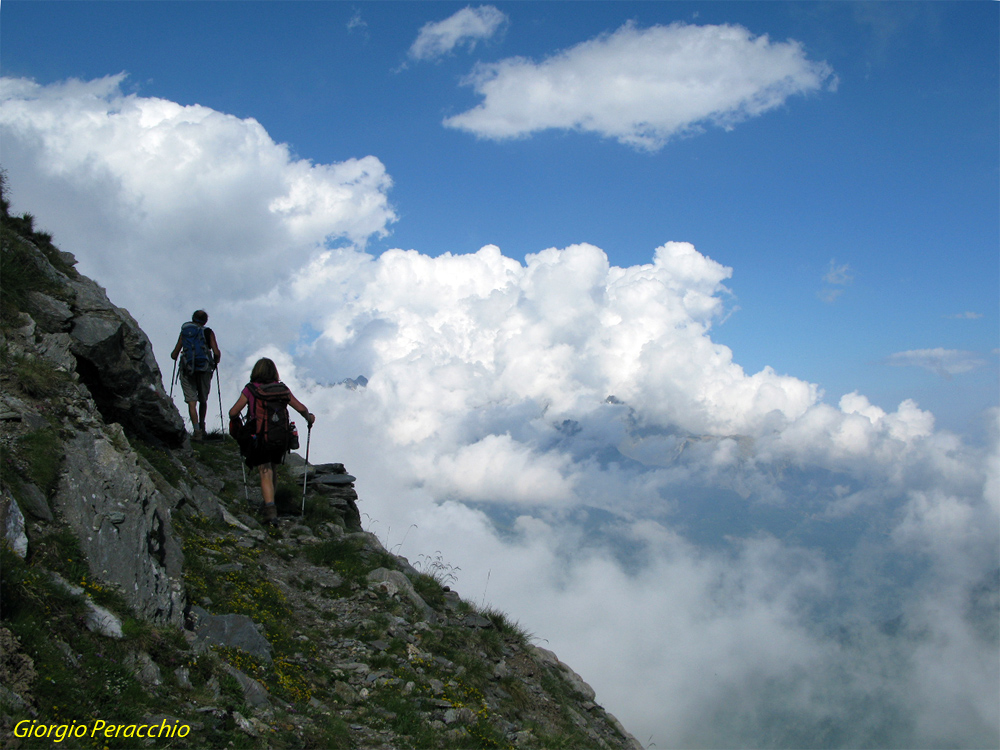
195, 356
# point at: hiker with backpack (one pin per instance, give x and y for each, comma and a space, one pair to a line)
267, 435
199, 353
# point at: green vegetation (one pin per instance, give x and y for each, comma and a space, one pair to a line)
41, 453
79, 675
33, 457
19, 273
38, 378
19, 269
160, 459
350, 558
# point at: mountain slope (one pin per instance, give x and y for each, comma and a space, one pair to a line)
143, 605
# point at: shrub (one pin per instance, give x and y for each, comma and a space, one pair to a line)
41, 452
38, 378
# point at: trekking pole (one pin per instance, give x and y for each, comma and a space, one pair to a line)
172, 374
305, 469
218, 390
246, 492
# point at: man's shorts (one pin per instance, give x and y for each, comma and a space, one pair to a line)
196, 386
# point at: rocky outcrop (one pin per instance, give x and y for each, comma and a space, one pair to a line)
12, 524
81, 331
234, 631
123, 523
333, 482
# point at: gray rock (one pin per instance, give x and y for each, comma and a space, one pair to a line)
183, 675
294, 460
13, 525
524, 738
575, 681
98, 619
630, 739
34, 502
334, 479
90, 331
393, 582
102, 481
346, 693
204, 501
71, 658
115, 362
55, 348
102, 621
254, 693
330, 469
235, 631
15, 701
244, 725
462, 715
477, 621
16, 410
51, 315
146, 670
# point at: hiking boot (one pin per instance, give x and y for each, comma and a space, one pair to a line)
198, 435
270, 514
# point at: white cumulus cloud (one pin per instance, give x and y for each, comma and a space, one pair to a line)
195, 198
466, 27
642, 86
729, 559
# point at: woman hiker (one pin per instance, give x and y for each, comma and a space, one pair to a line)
267, 396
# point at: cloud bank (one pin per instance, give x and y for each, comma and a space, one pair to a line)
466, 27
729, 559
642, 86
145, 183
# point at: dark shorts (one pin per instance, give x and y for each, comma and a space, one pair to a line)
259, 456
196, 386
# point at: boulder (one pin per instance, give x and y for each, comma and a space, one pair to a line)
13, 525
103, 621
115, 362
575, 681
123, 523
34, 502
335, 480
393, 582
99, 620
254, 693
52, 315
234, 631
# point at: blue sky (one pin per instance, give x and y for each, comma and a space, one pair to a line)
768, 230
893, 173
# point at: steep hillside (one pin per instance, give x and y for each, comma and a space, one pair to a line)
144, 606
